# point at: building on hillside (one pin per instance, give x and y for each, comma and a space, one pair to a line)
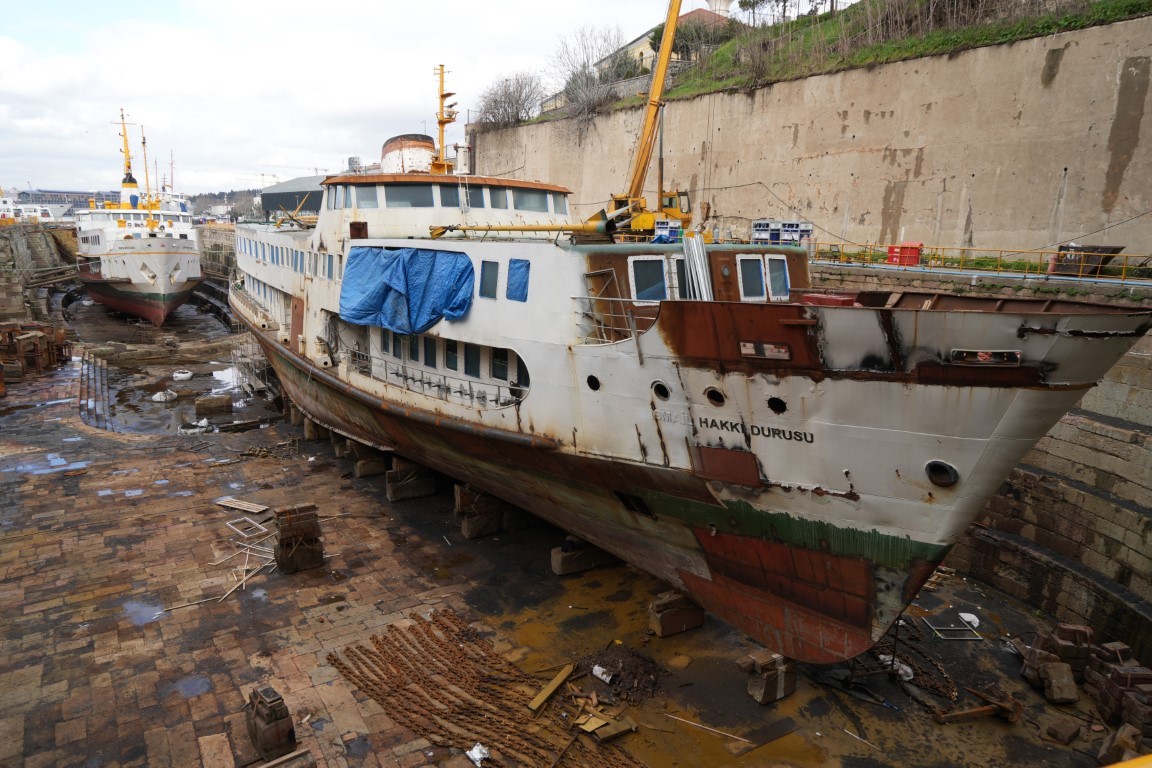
639, 51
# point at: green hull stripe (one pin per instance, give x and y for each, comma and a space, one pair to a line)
739, 517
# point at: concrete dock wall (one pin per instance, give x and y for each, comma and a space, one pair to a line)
1014, 146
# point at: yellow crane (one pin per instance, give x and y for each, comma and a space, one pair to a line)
629, 210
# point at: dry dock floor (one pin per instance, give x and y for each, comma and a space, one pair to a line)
104, 536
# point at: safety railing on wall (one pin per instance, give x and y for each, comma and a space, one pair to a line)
1076, 261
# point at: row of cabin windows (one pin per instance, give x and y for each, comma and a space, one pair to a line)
446, 196
761, 278
434, 353
116, 215
305, 262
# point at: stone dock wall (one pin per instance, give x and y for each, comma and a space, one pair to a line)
23, 250
1015, 146
1070, 530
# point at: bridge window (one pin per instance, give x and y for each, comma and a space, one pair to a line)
530, 200
366, 197
409, 196
450, 360
449, 196
499, 197
763, 278
648, 279
475, 197
559, 202
430, 351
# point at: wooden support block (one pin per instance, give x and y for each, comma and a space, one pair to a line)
370, 467
671, 613
409, 481
477, 526
576, 556
547, 691
314, 431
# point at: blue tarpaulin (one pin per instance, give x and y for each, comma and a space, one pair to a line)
406, 290
518, 270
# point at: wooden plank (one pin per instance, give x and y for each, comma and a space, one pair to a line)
547, 691
244, 506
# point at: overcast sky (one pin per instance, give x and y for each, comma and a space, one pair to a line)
245, 93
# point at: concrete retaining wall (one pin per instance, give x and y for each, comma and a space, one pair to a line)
1014, 146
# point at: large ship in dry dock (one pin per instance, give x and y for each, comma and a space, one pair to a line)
798, 461
141, 257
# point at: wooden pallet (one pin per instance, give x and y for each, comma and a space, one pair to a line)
244, 506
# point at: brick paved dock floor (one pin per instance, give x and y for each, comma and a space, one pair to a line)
102, 533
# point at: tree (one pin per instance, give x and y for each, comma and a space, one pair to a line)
694, 37
511, 100
576, 67
752, 6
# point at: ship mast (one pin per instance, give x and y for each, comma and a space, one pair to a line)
446, 116
128, 186
147, 180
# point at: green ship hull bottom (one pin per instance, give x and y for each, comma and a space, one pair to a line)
153, 307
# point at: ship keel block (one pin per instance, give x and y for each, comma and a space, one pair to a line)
672, 613
576, 555
408, 480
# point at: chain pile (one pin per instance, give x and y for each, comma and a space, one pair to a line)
442, 680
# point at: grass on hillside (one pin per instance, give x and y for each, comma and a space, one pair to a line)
874, 32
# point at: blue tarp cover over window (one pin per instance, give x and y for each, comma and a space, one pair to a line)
518, 270
406, 290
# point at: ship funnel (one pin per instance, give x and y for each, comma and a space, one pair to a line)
410, 153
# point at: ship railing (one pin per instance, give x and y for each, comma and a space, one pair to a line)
253, 308
414, 378
606, 320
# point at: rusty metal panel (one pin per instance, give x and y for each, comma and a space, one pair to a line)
726, 465
715, 332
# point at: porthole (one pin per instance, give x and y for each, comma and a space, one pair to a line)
715, 396
777, 405
593, 383
942, 474
660, 389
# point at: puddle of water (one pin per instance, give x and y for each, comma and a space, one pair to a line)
181, 493
133, 492
160, 482
190, 686
141, 613
53, 463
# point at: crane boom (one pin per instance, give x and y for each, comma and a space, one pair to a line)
647, 143
629, 210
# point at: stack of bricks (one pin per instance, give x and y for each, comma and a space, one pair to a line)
1072, 644
298, 546
1112, 673
773, 678
1136, 708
